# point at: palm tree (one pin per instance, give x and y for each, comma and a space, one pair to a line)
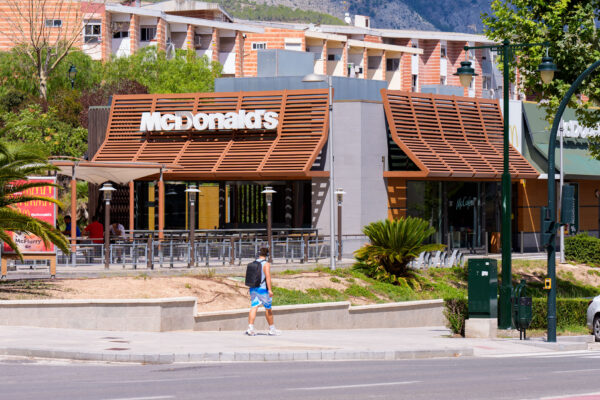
17, 163
393, 244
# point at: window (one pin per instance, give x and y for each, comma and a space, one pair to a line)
415, 83
392, 64
54, 23
442, 80
334, 57
293, 46
147, 34
259, 46
373, 62
443, 51
487, 82
120, 35
92, 31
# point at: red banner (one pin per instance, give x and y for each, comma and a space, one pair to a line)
42, 210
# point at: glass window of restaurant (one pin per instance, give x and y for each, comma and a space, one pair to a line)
460, 211
225, 205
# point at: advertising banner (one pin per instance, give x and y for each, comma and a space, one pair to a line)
42, 210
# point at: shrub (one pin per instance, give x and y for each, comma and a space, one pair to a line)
456, 311
393, 244
569, 312
583, 249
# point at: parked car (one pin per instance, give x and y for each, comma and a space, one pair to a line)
593, 317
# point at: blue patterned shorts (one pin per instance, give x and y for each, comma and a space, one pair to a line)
260, 296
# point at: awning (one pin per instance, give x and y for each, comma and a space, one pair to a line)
100, 172
285, 152
578, 163
450, 136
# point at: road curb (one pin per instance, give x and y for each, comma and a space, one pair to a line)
254, 356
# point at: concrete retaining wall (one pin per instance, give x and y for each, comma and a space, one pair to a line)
339, 315
150, 315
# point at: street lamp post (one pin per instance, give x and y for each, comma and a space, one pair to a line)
466, 73
268, 192
326, 78
192, 191
107, 190
339, 193
71, 74
551, 211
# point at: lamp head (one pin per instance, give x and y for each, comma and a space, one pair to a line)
547, 68
268, 192
192, 191
465, 73
339, 193
107, 190
72, 72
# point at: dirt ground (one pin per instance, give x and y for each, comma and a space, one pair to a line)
216, 293
579, 272
213, 293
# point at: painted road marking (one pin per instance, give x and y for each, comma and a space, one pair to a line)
354, 386
576, 370
550, 354
143, 398
585, 396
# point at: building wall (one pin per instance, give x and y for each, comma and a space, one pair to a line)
72, 15
274, 38
359, 145
429, 66
396, 197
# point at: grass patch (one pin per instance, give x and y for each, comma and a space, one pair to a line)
335, 280
355, 290
287, 297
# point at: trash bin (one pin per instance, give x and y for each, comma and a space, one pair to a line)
522, 309
483, 288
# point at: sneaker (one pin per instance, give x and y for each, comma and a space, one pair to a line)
274, 332
250, 332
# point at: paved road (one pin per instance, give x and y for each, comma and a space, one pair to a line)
528, 376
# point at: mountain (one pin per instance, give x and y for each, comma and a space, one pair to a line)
444, 15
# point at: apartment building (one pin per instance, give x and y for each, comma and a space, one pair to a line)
416, 61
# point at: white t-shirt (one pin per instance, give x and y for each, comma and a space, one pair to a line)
120, 228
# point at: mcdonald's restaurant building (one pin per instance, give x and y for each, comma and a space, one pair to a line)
396, 153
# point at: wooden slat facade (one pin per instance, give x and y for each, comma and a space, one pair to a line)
287, 153
450, 136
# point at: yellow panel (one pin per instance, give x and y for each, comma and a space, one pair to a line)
208, 207
151, 209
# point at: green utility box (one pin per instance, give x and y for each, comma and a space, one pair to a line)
483, 288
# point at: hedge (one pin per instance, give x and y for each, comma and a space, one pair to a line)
570, 312
583, 249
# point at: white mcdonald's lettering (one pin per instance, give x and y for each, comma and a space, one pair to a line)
185, 120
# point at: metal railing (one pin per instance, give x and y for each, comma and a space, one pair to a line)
210, 250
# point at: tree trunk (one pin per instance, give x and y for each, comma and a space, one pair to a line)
43, 86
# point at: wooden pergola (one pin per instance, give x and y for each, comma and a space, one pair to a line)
450, 136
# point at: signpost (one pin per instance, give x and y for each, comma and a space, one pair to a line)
31, 246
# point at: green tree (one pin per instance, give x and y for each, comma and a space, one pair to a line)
17, 162
393, 244
46, 129
184, 73
570, 28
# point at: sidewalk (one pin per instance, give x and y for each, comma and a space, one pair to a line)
175, 347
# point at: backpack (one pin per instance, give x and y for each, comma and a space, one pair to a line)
254, 274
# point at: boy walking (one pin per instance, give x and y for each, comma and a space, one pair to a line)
262, 295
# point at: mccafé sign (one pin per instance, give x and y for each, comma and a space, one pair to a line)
185, 120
